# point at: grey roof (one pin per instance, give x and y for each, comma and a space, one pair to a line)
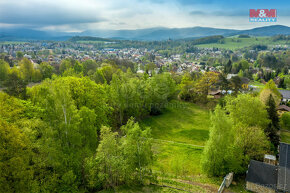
284, 167
263, 174
283, 107
285, 94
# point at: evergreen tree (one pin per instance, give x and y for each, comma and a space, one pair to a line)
228, 67
273, 126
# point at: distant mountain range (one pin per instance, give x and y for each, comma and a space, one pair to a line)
156, 34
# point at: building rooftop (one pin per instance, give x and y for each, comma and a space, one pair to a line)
285, 93
284, 167
284, 108
263, 174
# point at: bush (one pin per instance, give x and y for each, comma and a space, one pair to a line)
285, 121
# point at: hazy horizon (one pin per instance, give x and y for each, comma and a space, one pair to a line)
78, 16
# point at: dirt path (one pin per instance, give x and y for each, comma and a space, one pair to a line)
174, 142
207, 187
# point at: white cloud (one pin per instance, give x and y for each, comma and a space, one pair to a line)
79, 15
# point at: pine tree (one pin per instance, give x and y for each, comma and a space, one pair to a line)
273, 127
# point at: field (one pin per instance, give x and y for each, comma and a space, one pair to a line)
236, 43
180, 133
12, 42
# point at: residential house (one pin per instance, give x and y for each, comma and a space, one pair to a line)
266, 177
285, 95
216, 94
261, 177
283, 109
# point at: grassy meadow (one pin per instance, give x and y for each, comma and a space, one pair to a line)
180, 134
234, 42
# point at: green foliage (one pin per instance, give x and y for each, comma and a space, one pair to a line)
4, 70
65, 65
249, 143
122, 160
26, 69
208, 40
270, 89
14, 84
46, 70
89, 65
187, 86
285, 121
16, 173
247, 110
236, 138
133, 96
74, 109
217, 156
273, 127
19, 55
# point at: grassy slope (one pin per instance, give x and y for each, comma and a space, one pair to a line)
177, 160
181, 122
245, 42
181, 126
184, 123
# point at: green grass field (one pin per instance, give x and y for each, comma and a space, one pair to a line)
12, 42
179, 132
236, 43
181, 122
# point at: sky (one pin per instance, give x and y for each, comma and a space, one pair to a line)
81, 15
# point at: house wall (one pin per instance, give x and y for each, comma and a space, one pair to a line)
258, 188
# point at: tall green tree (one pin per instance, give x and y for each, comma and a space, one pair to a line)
46, 70
217, 154
273, 127
137, 147
14, 84
270, 89
248, 110
4, 70
16, 173
26, 69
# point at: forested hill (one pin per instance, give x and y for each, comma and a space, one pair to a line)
89, 38
150, 34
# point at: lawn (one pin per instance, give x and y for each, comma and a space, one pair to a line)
236, 43
181, 122
180, 133
176, 132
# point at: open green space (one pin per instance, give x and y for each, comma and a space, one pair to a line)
236, 43
180, 133
181, 122
12, 42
